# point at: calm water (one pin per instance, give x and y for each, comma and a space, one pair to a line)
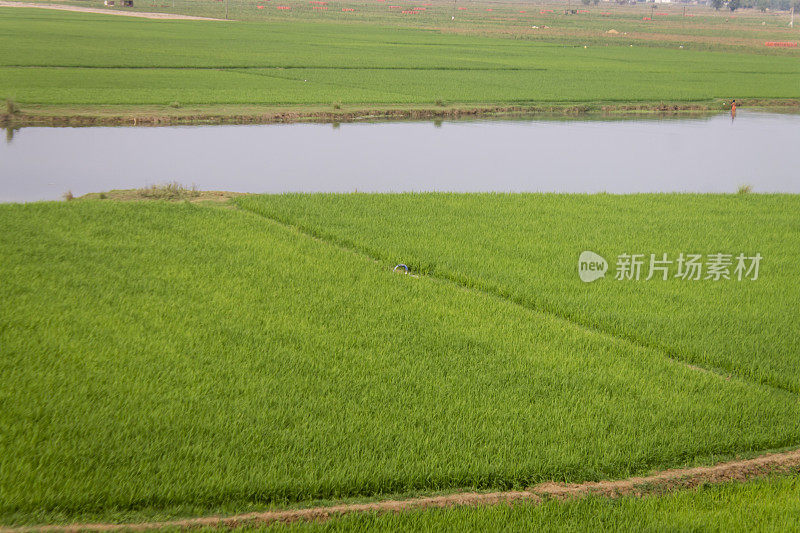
701, 154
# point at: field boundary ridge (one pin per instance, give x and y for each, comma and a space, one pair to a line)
657, 483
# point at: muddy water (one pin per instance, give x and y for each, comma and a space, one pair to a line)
711, 154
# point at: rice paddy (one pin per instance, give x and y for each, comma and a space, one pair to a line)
193, 353
525, 248
184, 358
52, 58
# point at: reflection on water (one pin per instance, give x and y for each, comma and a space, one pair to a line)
10, 131
712, 154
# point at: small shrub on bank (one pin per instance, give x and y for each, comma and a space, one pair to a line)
11, 107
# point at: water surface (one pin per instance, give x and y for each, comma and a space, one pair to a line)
711, 154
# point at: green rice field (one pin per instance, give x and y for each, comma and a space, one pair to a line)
525, 248
167, 353
173, 359
55, 58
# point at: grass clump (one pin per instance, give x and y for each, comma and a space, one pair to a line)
744, 189
168, 191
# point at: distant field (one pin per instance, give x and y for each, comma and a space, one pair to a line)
173, 359
51, 58
647, 23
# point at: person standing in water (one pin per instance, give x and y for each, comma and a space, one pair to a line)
733, 109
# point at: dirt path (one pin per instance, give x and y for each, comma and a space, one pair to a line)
784, 462
62, 7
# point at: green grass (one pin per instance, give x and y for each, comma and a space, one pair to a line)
160, 356
771, 504
57, 58
525, 247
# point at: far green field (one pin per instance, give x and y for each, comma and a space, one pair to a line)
164, 359
668, 24
51, 58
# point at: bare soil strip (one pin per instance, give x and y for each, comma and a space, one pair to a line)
668, 480
62, 7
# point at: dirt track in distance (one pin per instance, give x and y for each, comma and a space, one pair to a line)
62, 7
